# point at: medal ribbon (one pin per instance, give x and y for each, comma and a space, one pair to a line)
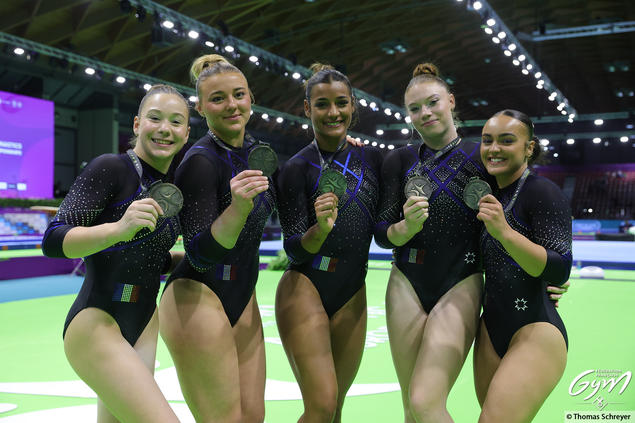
221, 144
137, 165
324, 164
509, 206
437, 155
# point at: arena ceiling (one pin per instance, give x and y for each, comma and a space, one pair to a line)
584, 48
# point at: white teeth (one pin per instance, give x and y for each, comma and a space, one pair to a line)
332, 123
495, 160
162, 142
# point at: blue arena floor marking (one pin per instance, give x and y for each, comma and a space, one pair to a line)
45, 286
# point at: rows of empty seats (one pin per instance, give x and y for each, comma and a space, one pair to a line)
22, 223
598, 194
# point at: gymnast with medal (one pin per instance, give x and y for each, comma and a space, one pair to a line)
124, 231
210, 320
327, 199
434, 289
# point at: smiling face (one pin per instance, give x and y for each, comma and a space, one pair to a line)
430, 109
506, 148
161, 129
225, 104
331, 111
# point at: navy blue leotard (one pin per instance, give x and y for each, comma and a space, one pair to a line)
338, 270
203, 177
122, 280
513, 298
446, 250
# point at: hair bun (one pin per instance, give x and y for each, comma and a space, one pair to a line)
425, 69
317, 67
205, 62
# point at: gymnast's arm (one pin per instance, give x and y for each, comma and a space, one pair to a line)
326, 214
301, 241
244, 188
551, 224
397, 223
210, 234
550, 258
70, 233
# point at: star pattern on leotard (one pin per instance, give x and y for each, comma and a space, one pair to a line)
470, 257
521, 304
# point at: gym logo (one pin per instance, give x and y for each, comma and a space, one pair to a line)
596, 386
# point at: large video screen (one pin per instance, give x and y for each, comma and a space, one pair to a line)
26, 146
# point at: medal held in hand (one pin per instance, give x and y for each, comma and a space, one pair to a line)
263, 158
332, 181
475, 189
418, 186
168, 196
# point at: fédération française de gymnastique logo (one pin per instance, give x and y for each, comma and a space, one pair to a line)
596, 386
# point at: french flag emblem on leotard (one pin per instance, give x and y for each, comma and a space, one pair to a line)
126, 293
326, 264
415, 256
226, 272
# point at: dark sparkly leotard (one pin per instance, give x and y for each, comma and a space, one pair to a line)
339, 268
122, 280
446, 250
513, 298
203, 177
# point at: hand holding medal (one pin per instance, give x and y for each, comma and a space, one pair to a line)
490, 212
326, 211
244, 187
415, 212
140, 214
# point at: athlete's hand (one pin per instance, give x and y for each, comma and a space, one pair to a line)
139, 214
490, 212
244, 187
353, 141
556, 292
326, 211
415, 212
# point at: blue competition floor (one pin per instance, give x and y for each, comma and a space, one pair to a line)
45, 286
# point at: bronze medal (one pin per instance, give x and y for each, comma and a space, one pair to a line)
418, 186
474, 190
332, 181
168, 196
263, 158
